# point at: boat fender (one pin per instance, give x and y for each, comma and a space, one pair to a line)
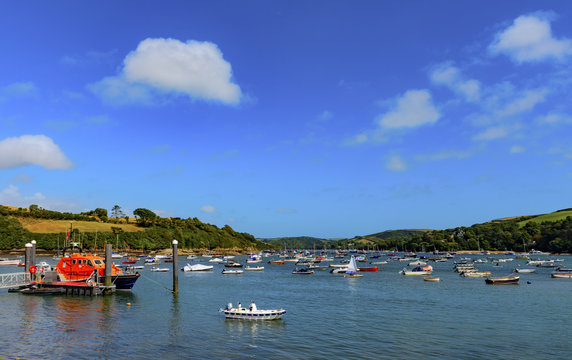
529, 282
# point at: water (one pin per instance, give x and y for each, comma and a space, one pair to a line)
382, 315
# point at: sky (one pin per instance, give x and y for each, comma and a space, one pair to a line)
289, 118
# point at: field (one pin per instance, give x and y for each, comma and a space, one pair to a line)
555, 216
44, 226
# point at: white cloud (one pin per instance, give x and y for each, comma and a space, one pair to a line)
396, 163
32, 150
528, 100
209, 209
555, 118
196, 69
450, 76
492, 133
18, 89
11, 196
413, 109
516, 149
530, 39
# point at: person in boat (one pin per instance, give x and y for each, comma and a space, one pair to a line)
252, 306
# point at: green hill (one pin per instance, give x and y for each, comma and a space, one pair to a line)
554, 216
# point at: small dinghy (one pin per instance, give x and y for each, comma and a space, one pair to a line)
252, 313
432, 279
352, 269
302, 271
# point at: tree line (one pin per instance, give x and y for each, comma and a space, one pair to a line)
158, 232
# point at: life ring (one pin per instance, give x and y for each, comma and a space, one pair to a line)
33, 269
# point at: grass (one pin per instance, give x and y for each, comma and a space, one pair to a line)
45, 226
555, 216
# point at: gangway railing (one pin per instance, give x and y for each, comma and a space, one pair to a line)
14, 279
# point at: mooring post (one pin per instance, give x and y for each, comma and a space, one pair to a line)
108, 264
28, 258
33, 253
175, 268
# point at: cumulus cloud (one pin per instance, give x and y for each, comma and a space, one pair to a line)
413, 109
169, 66
396, 163
450, 76
555, 118
209, 209
530, 39
32, 150
516, 149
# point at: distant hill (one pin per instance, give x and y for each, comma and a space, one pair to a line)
297, 242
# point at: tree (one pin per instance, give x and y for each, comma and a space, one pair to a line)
116, 211
146, 216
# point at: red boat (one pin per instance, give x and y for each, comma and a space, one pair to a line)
130, 262
368, 269
81, 267
277, 262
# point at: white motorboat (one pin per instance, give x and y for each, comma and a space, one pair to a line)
432, 278
152, 261
427, 270
9, 262
524, 271
252, 313
156, 269
337, 270
216, 260
476, 274
232, 271
254, 268
417, 263
192, 257
197, 267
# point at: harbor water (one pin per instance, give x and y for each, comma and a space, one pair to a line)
382, 315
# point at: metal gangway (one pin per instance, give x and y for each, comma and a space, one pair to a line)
14, 279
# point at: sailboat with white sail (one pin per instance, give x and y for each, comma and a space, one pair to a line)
352, 270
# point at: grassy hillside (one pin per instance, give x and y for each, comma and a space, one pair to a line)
555, 216
48, 226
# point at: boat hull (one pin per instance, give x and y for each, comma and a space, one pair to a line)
511, 280
245, 314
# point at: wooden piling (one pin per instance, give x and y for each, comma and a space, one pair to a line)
33, 261
28, 258
108, 264
175, 267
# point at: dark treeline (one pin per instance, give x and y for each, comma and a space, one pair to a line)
156, 233
553, 236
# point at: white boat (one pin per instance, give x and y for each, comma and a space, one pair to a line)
427, 270
192, 257
352, 269
254, 268
197, 267
156, 269
378, 262
252, 313
152, 261
431, 278
417, 263
524, 271
216, 260
232, 271
339, 270
476, 274
9, 262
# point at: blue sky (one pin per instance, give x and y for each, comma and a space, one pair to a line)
289, 118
